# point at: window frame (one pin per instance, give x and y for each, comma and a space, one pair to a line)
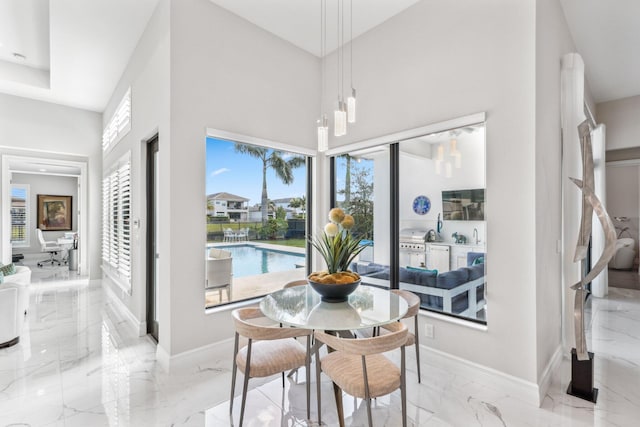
26, 242
393, 142
310, 157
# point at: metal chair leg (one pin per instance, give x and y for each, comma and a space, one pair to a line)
307, 369
403, 387
233, 374
318, 394
246, 381
417, 344
367, 395
337, 394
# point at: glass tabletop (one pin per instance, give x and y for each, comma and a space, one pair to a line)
301, 307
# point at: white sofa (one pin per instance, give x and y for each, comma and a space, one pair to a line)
14, 301
219, 271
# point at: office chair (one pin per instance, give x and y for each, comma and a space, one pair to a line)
50, 247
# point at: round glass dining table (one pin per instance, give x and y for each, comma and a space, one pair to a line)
301, 307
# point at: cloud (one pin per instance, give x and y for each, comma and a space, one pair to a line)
219, 171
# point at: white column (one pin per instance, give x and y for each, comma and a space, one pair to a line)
572, 111
600, 285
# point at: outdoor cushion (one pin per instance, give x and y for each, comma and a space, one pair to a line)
451, 279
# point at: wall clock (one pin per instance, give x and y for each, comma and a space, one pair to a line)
421, 205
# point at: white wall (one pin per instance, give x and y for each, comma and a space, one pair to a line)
46, 184
226, 74
553, 40
41, 129
422, 70
621, 118
148, 76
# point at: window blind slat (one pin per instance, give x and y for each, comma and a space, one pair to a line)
116, 221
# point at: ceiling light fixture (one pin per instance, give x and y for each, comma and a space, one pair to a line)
42, 170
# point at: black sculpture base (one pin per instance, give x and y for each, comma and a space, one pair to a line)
581, 384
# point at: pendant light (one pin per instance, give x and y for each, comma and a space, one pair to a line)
351, 100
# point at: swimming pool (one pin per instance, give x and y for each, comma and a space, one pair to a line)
250, 260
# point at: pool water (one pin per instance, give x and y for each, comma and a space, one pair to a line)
250, 261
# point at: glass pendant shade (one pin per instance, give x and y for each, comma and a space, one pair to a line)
453, 147
447, 170
323, 134
340, 120
351, 107
438, 164
440, 156
458, 160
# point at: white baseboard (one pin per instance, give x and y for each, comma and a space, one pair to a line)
549, 371
200, 354
139, 326
516, 387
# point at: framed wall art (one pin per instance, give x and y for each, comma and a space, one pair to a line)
54, 213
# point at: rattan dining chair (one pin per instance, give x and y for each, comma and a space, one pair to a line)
358, 367
413, 301
273, 351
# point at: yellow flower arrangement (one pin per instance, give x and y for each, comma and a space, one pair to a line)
338, 247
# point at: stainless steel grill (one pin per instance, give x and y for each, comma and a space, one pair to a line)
413, 239
412, 247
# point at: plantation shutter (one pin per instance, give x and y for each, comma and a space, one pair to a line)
116, 222
124, 223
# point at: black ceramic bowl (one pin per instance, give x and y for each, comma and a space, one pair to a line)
333, 292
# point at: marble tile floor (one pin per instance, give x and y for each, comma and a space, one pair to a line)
80, 364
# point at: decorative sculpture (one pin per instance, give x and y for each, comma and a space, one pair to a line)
582, 361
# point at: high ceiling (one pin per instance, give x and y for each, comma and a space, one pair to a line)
607, 35
299, 21
73, 52
70, 52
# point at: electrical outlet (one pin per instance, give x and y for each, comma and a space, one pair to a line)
428, 331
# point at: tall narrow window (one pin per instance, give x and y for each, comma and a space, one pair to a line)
19, 215
116, 226
361, 185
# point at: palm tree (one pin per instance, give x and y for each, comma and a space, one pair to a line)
299, 202
271, 159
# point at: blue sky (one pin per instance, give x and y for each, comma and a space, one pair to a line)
241, 174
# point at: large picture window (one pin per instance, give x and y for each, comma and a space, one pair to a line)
257, 200
420, 203
116, 225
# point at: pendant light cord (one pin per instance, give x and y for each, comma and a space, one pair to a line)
351, 41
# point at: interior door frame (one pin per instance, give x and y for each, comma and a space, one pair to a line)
81, 204
152, 147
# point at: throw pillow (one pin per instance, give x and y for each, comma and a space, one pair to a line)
423, 269
479, 260
8, 269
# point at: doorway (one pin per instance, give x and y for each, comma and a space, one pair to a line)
152, 238
38, 169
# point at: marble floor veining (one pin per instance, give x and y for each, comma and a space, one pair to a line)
80, 364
